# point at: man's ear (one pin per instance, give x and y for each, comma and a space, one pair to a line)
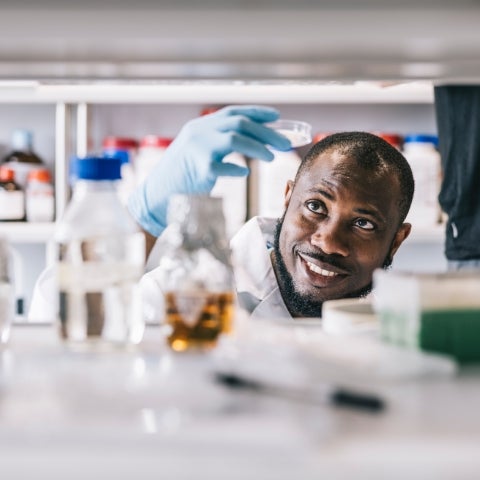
288, 193
402, 233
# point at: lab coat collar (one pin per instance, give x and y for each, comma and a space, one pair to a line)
256, 283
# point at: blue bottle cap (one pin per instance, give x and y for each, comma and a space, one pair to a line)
421, 138
95, 168
123, 155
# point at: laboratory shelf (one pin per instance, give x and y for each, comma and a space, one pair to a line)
189, 92
27, 232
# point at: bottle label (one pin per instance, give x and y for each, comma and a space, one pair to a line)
40, 207
12, 205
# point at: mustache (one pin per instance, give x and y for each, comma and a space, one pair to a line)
331, 260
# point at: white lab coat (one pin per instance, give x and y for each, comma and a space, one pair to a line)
257, 287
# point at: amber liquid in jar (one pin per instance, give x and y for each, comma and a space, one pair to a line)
198, 318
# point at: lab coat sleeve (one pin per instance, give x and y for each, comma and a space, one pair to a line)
152, 299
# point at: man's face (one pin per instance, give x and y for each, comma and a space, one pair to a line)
340, 224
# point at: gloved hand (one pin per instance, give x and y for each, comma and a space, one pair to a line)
194, 160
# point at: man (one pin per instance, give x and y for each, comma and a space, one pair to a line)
457, 109
344, 212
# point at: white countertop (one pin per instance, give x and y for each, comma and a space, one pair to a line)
150, 413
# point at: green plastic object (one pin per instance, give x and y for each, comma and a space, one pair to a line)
453, 332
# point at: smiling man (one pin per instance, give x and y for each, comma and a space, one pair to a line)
344, 214
344, 217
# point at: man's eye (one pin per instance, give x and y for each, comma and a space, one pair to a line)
364, 224
315, 206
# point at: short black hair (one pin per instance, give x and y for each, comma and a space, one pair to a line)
372, 153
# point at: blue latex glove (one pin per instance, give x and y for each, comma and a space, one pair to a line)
194, 160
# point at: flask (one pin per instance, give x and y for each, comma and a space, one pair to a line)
195, 273
22, 158
126, 149
12, 197
424, 159
39, 196
101, 255
150, 151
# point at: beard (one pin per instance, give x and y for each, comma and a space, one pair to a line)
300, 304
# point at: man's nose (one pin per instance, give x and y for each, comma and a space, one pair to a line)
331, 237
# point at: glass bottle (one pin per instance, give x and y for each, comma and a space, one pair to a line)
195, 273
101, 254
12, 197
22, 158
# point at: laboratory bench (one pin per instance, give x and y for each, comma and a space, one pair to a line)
147, 412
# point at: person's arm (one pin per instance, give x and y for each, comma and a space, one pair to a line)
194, 160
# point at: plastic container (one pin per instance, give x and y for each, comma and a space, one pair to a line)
126, 149
437, 312
101, 258
22, 158
424, 160
272, 182
299, 133
12, 196
150, 152
195, 273
39, 195
273, 176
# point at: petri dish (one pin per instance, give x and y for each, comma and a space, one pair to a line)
299, 133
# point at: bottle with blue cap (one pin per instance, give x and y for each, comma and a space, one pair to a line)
126, 148
101, 254
421, 152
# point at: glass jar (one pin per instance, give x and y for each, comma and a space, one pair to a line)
195, 273
101, 254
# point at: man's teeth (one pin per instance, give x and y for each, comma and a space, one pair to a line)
320, 271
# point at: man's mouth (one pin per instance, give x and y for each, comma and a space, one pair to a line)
320, 271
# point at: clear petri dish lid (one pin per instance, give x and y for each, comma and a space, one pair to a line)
299, 133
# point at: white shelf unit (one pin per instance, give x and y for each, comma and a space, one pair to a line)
85, 112
26, 232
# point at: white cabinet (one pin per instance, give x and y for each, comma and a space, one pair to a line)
74, 118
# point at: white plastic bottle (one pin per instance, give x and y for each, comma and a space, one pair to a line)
100, 260
126, 149
150, 152
424, 159
272, 182
39, 196
233, 192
